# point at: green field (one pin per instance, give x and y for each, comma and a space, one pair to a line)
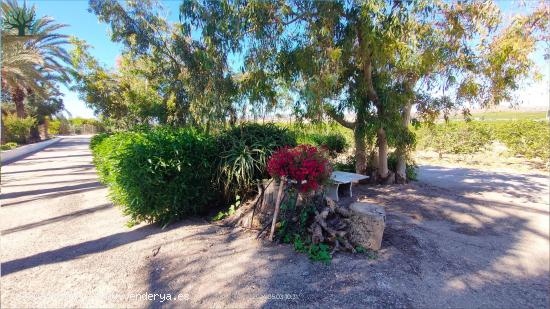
509, 115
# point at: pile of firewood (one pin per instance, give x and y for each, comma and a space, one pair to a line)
326, 222
330, 225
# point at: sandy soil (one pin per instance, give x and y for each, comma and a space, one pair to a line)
473, 239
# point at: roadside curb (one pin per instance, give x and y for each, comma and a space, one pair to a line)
9, 156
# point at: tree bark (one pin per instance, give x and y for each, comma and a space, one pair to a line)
401, 169
359, 134
18, 97
382, 153
360, 149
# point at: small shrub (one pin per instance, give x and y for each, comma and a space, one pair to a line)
161, 175
347, 165
8, 146
335, 143
16, 129
306, 165
54, 127
244, 151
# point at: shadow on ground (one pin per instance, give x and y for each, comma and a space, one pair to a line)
441, 248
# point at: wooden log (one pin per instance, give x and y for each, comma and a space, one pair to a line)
277, 206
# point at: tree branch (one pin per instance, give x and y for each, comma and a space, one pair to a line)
367, 67
331, 112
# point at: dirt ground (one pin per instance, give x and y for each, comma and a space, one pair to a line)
461, 239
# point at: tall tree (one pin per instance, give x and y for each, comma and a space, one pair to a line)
374, 58
34, 55
193, 81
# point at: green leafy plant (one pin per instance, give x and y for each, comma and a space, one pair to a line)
97, 139
232, 209
17, 129
527, 138
294, 226
244, 151
347, 165
161, 175
8, 146
335, 143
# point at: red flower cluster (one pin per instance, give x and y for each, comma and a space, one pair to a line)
305, 164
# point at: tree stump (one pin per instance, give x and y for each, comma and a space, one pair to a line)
367, 222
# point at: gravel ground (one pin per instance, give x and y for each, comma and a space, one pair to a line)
473, 239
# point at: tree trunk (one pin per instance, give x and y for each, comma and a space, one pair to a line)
360, 148
359, 135
382, 154
18, 97
401, 169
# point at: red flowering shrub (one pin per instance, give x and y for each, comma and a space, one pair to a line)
305, 164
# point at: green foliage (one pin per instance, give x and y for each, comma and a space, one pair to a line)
34, 60
522, 137
54, 127
232, 209
332, 136
17, 129
244, 151
8, 146
161, 175
454, 137
348, 165
75, 126
97, 139
334, 142
293, 228
526, 138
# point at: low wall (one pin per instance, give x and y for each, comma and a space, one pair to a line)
9, 156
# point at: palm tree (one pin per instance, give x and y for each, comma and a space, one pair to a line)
33, 54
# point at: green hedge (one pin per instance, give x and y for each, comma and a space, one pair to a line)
161, 175
166, 174
17, 130
528, 138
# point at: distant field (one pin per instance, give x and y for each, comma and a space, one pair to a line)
511, 115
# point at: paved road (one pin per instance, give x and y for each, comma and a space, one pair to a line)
500, 185
63, 244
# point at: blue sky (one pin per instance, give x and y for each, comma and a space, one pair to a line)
85, 25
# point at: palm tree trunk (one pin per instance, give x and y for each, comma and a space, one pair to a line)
18, 97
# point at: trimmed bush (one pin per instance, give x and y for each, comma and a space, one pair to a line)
161, 175
97, 139
17, 130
